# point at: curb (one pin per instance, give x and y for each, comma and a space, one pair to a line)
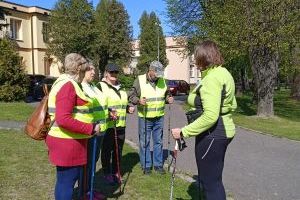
264, 133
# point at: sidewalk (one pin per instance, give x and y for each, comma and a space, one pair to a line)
256, 166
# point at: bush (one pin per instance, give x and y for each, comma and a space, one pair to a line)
13, 80
126, 81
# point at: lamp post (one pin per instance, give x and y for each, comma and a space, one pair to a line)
157, 24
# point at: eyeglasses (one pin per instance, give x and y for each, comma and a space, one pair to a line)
114, 72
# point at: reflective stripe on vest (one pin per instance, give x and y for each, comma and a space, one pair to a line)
116, 102
155, 98
86, 117
100, 109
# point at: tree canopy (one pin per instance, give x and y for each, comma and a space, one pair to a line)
70, 28
113, 34
152, 41
257, 31
13, 80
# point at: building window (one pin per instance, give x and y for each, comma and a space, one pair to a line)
191, 70
45, 32
15, 29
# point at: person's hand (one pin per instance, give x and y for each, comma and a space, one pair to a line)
131, 109
170, 100
97, 130
176, 133
142, 101
113, 114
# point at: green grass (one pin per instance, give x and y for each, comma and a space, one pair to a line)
286, 122
17, 111
25, 173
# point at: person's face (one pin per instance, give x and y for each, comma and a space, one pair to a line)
152, 74
90, 74
112, 76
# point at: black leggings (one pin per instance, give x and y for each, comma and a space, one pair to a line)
210, 154
108, 153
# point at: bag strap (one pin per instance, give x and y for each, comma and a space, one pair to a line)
45, 89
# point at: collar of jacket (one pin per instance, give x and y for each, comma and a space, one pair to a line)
208, 70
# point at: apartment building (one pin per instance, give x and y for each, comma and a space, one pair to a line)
180, 67
28, 27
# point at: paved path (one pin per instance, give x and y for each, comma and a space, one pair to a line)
257, 167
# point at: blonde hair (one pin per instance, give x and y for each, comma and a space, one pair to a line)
75, 64
207, 54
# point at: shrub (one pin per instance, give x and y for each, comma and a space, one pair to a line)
13, 80
126, 80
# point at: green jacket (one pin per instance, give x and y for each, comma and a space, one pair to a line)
213, 80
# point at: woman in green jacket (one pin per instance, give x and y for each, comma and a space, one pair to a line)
213, 102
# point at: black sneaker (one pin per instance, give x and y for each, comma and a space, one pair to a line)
160, 170
147, 171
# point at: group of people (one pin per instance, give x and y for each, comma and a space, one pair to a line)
85, 112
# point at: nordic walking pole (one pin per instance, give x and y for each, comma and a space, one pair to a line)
117, 154
93, 167
80, 185
169, 131
174, 168
85, 181
145, 135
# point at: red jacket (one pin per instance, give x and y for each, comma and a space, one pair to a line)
68, 152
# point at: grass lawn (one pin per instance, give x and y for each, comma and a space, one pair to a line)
25, 173
17, 111
286, 122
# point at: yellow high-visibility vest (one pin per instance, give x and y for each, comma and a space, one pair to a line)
100, 110
155, 98
84, 113
119, 103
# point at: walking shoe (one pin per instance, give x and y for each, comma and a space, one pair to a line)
160, 170
147, 171
110, 180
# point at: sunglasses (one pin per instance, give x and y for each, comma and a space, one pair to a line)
114, 72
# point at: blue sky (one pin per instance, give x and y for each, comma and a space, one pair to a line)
134, 8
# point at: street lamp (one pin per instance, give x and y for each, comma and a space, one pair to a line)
157, 24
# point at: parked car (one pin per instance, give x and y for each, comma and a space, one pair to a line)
177, 87
36, 86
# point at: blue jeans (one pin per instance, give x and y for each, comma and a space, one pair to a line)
66, 178
155, 127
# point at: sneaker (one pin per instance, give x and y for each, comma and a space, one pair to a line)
110, 180
160, 170
147, 171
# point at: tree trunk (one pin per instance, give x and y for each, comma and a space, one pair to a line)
295, 91
264, 64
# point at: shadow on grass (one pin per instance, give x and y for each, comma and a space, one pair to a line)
129, 160
193, 191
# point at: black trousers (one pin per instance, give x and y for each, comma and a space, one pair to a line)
210, 154
108, 151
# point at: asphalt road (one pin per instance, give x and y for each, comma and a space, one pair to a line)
257, 167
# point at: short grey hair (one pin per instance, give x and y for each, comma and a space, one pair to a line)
156, 66
75, 64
